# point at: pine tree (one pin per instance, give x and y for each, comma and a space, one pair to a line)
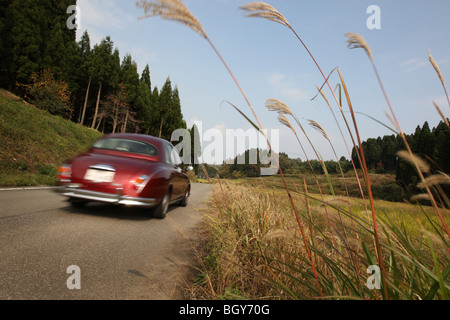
154, 120
176, 115
5, 45
86, 75
130, 78
143, 105
56, 57
164, 108
196, 147
101, 68
424, 141
145, 77
25, 39
442, 147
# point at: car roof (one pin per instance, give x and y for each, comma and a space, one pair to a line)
157, 142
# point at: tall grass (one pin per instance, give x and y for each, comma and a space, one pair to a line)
259, 251
256, 251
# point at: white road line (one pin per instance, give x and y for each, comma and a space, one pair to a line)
26, 188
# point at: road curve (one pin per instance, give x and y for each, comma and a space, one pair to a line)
122, 253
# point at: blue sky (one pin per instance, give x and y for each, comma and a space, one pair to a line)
269, 62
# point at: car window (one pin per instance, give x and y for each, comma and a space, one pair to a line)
173, 157
169, 155
176, 157
126, 145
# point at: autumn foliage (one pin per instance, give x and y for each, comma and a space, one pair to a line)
47, 93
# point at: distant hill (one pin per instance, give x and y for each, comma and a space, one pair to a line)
33, 142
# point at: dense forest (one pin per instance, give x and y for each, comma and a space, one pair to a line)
41, 61
432, 145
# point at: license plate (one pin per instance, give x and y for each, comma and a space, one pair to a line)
99, 175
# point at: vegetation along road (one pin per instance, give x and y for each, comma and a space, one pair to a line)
121, 253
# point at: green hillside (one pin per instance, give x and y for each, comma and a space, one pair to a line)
33, 142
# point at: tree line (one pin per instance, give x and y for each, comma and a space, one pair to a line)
41, 60
433, 145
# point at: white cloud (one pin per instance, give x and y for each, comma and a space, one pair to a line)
286, 87
414, 63
102, 14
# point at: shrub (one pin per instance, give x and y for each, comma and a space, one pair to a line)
48, 94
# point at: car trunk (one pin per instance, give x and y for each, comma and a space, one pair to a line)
108, 173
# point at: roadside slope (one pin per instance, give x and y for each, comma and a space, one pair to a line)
33, 142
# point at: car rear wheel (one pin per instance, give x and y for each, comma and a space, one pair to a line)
161, 210
184, 201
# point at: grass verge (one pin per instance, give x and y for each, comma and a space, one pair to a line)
255, 250
34, 142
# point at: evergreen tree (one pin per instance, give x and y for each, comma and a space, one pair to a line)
196, 148
26, 39
143, 105
442, 147
34, 37
145, 78
101, 67
163, 109
6, 69
85, 75
424, 141
56, 57
155, 119
176, 119
130, 78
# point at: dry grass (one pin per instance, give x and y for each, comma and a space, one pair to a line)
256, 251
173, 10
436, 68
415, 160
265, 11
356, 40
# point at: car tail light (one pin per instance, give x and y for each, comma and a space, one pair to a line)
65, 173
140, 183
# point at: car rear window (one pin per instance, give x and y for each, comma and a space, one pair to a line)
126, 145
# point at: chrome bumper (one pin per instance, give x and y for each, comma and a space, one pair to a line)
74, 191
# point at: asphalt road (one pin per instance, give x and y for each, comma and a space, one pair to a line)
121, 253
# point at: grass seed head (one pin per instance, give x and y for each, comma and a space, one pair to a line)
435, 179
323, 96
279, 106
422, 196
319, 128
284, 120
356, 40
266, 11
174, 10
436, 67
414, 160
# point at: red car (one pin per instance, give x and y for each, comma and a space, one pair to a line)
127, 169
